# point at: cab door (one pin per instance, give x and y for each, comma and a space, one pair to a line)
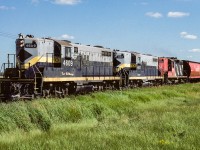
57, 56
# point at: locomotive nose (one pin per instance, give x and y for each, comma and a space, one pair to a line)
21, 54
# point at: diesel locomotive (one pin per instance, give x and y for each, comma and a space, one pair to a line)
48, 67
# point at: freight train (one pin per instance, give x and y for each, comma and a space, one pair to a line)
45, 67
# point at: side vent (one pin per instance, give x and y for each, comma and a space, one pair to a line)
98, 46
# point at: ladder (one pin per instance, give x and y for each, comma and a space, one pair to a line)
124, 78
38, 81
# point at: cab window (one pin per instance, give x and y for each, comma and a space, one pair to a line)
133, 58
68, 52
139, 59
76, 50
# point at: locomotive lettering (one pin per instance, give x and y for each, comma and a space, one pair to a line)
68, 63
30, 45
67, 74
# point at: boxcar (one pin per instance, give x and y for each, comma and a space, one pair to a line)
192, 70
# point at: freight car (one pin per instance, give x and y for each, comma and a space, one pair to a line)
191, 70
49, 67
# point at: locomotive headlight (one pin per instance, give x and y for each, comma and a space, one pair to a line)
20, 43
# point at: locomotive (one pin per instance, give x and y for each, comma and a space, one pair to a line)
48, 67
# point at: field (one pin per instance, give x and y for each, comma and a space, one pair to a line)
148, 118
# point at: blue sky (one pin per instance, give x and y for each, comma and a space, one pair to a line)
158, 27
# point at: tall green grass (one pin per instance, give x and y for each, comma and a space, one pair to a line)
148, 118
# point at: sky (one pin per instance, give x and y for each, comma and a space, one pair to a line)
168, 28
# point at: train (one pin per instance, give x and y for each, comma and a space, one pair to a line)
47, 67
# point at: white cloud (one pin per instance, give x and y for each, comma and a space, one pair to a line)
58, 2
177, 14
154, 14
185, 35
66, 2
66, 36
6, 8
195, 50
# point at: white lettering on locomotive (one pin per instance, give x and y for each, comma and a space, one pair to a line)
30, 45
68, 63
67, 74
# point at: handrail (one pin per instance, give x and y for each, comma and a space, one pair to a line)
38, 70
35, 75
35, 83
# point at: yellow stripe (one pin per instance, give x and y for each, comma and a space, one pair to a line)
121, 66
37, 59
65, 79
145, 78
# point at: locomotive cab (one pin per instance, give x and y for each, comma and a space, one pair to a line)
62, 52
124, 61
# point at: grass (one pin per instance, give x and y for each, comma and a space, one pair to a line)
148, 118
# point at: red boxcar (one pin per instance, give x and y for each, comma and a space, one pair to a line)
191, 69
